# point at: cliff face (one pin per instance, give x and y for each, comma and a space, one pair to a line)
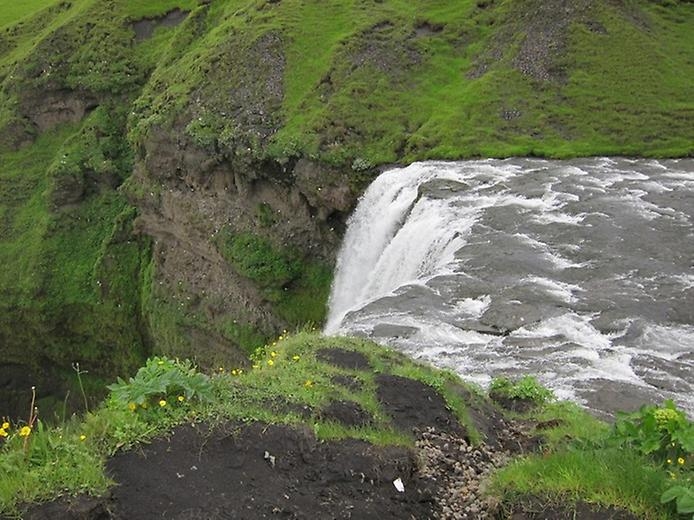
241, 248
177, 175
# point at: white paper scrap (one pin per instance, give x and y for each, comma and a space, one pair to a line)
399, 485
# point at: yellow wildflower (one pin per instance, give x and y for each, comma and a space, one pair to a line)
234, 372
669, 461
5, 425
295, 357
240, 371
270, 362
181, 398
83, 437
308, 383
25, 431
3, 433
162, 403
221, 369
680, 461
132, 407
273, 353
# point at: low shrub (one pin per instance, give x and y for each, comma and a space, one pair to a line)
526, 389
162, 379
666, 436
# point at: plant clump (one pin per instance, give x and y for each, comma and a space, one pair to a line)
665, 436
519, 395
162, 380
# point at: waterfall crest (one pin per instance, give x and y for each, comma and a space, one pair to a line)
399, 234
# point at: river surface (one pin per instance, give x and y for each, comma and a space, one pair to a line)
579, 272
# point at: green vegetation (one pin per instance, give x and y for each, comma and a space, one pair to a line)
666, 436
526, 389
255, 258
297, 287
11, 13
361, 61
643, 464
162, 380
75, 265
71, 286
605, 477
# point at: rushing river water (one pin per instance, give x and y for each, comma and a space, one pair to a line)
579, 272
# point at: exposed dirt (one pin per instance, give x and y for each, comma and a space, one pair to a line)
265, 471
460, 469
344, 358
144, 28
547, 29
48, 109
77, 508
191, 190
348, 413
256, 470
414, 405
517, 405
383, 52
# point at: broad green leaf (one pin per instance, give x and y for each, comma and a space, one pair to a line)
671, 494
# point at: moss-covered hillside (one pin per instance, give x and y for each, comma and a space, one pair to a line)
176, 174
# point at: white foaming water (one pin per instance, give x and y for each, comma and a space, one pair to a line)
562, 291
473, 307
571, 327
577, 272
394, 238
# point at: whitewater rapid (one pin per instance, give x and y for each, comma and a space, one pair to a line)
579, 272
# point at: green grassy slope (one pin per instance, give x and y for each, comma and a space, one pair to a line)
398, 82
346, 83
15, 11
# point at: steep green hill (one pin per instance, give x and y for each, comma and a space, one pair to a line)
176, 174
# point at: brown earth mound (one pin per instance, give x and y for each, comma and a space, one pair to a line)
343, 358
414, 405
265, 471
348, 413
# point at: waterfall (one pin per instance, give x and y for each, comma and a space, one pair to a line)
397, 235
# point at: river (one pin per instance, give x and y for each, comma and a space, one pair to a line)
579, 272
